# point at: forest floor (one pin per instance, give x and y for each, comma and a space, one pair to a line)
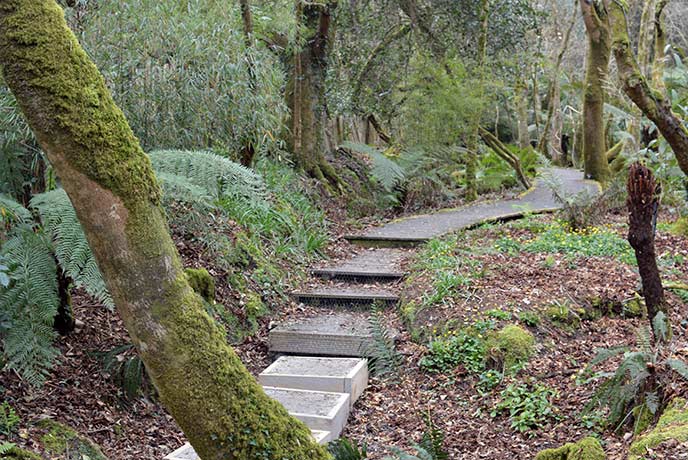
501, 282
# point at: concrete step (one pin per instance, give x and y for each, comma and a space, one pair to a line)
319, 410
186, 452
346, 297
337, 375
370, 265
372, 241
336, 334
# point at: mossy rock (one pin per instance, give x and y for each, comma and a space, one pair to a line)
15, 453
60, 441
509, 348
563, 316
672, 425
586, 449
202, 283
642, 418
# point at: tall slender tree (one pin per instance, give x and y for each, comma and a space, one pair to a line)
597, 71
200, 380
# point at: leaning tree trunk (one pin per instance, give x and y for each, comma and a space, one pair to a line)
654, 105
306, 93
643, 204
201, 381
597, 69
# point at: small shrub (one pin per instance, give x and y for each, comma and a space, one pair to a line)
498, 314
488, 380
509, 349
529, 407
461, 347
529, 318
589, 242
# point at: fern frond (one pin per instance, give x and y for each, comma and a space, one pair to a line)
6, 448
384, 170
382, 354
678, 366
70, 245
216, 174
12, 212
30, 304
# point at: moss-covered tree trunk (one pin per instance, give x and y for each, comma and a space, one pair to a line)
660, 45
653, 104
248, 151
200, 380
597, 69
306, 91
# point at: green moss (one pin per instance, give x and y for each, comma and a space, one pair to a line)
643, 418
562, 316
43, 60
60, 438
680, 227
509, 348
635, 308
673, 424
586, 449
201, 282
20, 454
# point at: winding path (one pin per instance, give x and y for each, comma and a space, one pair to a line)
418, 229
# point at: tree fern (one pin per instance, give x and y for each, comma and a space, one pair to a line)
6, 448
12, 212
69, 243
29, 304
212, 172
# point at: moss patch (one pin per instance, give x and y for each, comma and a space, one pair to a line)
673, 424
680, 227
509, 348
60, 439
563, 316
202, 283
585, 449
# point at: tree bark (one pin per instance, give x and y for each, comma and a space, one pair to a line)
643, 204
503, 152
597, 70
660, 45
201, 381
248, 151
645, 35
306, 92
653, 104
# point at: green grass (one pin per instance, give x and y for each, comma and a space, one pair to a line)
557, 238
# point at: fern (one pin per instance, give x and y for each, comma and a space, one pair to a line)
678, 366
29, 305
433, 440
13, 213
70, 245
6, 448
218, 175
343, 449
384, 359
386, 171
125, 369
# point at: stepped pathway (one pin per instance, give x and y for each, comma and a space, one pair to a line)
321, 369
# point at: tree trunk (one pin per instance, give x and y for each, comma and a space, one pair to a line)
643, 204
64, 322
645, 35
654, 105
660, 45
553, 126
248, 151
503, 152
521, 90
597, 69
306, 93
201, 381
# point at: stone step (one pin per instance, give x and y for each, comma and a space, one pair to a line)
187, 452
337, 375
346, 297
319, 410
370, 265
372, 241
336, 334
